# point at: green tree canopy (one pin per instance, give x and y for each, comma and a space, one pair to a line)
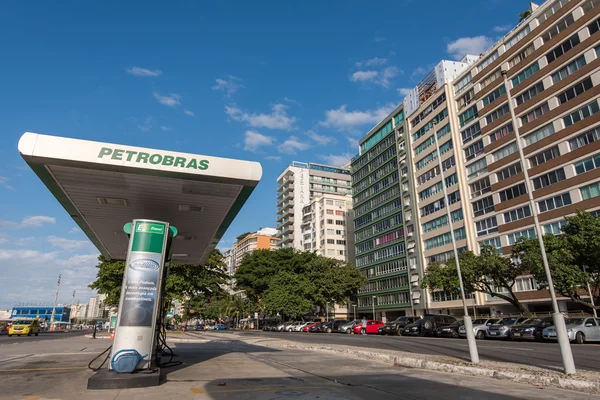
487, 272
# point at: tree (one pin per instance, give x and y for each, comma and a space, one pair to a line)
488, 272
184, 280
524, 15
243, 235
582, 238
263, 275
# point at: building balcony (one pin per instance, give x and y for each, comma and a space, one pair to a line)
287, 221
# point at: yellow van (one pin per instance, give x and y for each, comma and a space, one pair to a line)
24, 327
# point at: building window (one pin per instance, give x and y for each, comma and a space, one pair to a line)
530, 93
468, 116
474, 150
527, 233
433, 207
465, 100
338, 222
330, 241
480, 187
491, 78
471, 132
436, 103
424, 145
562, 48
554, 228
444, 239
426, 160
554, 202
504, 151
584, 139
535, 113
523, 54
435, 224
340, 242
339, 213
587, 164
329, 212
446, 147
515, 39
448, 163
494, 95
517, 214
557, 28
495, 242
488, 60
539, 134
330, 221
443, 131
496, 114
590, 191
462, 84
486, 226
554, 7
544, 156
575, 90
568, 70
509, 171
582, 113
430, 191
432, 173
526, 73
594, 26
512, 192
454, 197
500, 133
483, 206
549, 178
477, 168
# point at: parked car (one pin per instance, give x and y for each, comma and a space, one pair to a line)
428, 325
220, 327
479, 327
297, 326
336, 325
280, 326
531, 328
372, 326
347, 327
397, 326
449, 330
310, 325
501, 330
326, 327
580, 330
317, 327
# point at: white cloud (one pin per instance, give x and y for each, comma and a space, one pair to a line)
502, 28
143, 72
342, 119
68, 244
28, 222
337, 160
292, 146
172, 100
320, 139
404, 91
353, 142
189, 113
469, 45
75, 230
4, 182
229, 86
383, 78
77, 272
290, 100
277, 119
253, 140
166, 128
146, 124
273, 158
373, 62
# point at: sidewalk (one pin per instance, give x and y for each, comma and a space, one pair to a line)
582, 381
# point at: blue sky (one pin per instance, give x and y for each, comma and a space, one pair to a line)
266, 81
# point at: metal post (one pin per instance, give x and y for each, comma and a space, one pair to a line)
591, 296
467, 319
558, 318
354, 306
374, 297
55, 300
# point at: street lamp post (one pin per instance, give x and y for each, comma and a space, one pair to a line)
374, 298
467, 319
354, 306
557, 317
55, 300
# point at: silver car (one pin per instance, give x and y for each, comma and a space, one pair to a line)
501, 330
347, 327
480, 327
580, 330
297, 326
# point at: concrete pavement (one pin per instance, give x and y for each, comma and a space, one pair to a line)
231, 367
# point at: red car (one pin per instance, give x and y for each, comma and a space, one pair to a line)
308, 326
372, 326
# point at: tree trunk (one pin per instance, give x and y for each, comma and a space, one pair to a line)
512, 300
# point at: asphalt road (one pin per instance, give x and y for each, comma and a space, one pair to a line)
43, 336
587, 356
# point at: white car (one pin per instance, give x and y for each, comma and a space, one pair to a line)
297, 326
580, 330
480, 327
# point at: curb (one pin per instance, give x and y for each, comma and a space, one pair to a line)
554, 380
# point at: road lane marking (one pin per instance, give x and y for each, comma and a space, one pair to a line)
42, 369
499, 347
203, 391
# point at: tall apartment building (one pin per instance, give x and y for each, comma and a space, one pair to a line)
327, 227
297, 185
383, 219
547, 71
96, 307
264, 239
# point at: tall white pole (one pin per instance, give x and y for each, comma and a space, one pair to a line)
55, 300
559, 319
467, 319
374, 297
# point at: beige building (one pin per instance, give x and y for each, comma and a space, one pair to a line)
264, 239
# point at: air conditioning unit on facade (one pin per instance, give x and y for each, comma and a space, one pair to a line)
413, 267
416, 301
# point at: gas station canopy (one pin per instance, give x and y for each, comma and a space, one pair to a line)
103, 186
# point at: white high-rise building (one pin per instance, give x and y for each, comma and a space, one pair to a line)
96, 307
298, 184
